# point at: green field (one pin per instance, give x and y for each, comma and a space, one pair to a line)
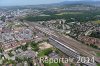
97, 22
69, 13
98, 64
44, 52
51, 64
98, 54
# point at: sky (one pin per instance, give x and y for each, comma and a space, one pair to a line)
29, 2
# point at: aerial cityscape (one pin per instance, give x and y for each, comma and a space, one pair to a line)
50, 33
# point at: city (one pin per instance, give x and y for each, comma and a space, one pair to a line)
65, 33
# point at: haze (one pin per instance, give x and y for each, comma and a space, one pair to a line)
30, 2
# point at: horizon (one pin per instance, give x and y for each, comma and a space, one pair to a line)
31, 2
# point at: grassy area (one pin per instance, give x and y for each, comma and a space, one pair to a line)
98, 54
69, 13
98, 64
97, 21
51, 64
41, 54
44, 52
